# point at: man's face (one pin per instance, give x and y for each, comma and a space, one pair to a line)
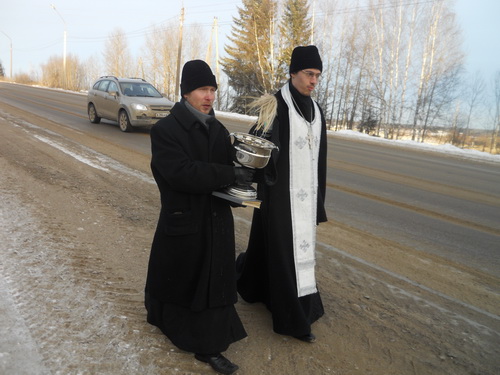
202, 98
306, 80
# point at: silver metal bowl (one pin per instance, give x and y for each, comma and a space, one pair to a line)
252, 151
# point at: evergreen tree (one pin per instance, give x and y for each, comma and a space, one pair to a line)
2, 72
250, 63
295, 29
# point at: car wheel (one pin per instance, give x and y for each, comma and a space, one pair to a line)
94, 119
124, 121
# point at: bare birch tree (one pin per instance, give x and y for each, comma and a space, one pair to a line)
328, 45
53, 74
92, 68
161, 58
441, 61
474, 93
407, 65
394, 63
117, 58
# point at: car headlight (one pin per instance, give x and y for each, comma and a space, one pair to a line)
139, 107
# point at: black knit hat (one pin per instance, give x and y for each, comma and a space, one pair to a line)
195, 74
305, 58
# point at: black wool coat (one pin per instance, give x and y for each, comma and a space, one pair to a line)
192, 255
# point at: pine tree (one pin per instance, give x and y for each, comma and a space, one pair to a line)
250, 63
295, 29
259, 54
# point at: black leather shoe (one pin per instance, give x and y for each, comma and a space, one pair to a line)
307, 338
218, 362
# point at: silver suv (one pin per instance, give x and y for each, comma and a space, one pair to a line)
129, 101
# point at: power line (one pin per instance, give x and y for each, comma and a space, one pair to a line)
367, 8
148, 30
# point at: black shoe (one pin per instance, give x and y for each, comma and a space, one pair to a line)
218, 362
307, 338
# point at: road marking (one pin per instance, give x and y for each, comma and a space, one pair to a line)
78, 157
419, 210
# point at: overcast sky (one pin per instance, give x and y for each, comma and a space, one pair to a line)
36, 29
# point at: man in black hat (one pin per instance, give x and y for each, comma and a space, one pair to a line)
278, 267
191, 288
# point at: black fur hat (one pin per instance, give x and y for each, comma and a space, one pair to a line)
305, 58
195, 74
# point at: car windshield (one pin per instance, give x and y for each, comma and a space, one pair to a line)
139, 89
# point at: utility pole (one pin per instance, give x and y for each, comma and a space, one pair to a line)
64, 42
179, 53
10, 54
208, 58
217, 60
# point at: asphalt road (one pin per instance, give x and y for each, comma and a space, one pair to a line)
407, 264
439, 204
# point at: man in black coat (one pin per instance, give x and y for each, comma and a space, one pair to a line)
191, 287
278, 267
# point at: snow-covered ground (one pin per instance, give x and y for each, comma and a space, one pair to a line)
443, 148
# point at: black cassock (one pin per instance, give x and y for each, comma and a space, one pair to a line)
191, 288
266, 271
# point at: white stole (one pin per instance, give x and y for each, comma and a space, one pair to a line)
304, 152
